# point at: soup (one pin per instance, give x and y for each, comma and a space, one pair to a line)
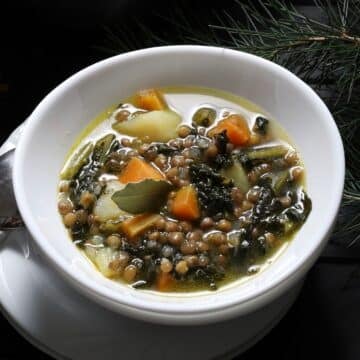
182, 189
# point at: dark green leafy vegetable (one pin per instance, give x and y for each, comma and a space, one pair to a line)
213, 189
143, 196
162, 148
102, 147
223, 159
85, 178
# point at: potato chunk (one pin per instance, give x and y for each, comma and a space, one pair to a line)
158, 125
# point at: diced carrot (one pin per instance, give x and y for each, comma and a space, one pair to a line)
150, 99
237, 129
138, 224
164, 281
185, 205
138, 170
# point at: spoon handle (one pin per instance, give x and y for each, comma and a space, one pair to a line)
8, 223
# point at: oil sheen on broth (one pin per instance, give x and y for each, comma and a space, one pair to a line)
183, 189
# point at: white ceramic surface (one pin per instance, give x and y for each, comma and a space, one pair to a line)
77, 328
67, 325
55, 123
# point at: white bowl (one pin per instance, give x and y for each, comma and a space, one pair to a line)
60, 117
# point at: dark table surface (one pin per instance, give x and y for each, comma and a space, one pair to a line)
41, 45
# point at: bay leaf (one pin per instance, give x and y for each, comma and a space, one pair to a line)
143, 196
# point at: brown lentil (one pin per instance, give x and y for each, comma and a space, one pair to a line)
297, 173
65, 206
202, 246
195, 235
122, 115
188, 247
182, 267
113, 241
217, 238
189, 141
237, 195
69, 219
160, 224
185, 226
129, 273
136, 143
246, 205
160, 161
176, 238
166, 266
64, 186
143, 149
163, 238
224, 225
253, 195
191, 260
291, 158
184, 131
207, 223
171, 226
125, 142
203, 260
285, 201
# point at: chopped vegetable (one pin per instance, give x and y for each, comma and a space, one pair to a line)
102, 259
238, 175
102, 147
105, 208
267, 153
76, 162
237, 129
159, 125
185, 205
280, 181
204, 117
150, 99
138, 224
261, 125
213, 189
144, 196
138, 170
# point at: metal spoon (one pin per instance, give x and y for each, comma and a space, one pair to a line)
9, 215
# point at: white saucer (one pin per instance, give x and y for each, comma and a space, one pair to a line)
57, 319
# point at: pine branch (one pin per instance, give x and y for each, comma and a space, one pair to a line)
325, 53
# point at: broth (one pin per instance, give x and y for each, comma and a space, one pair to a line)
183, 189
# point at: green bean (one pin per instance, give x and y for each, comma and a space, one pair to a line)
237, 173
267, 153
76, 162
280, 182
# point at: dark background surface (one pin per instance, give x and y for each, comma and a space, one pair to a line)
42, 43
